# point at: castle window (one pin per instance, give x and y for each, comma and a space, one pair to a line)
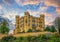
33, 20
33, 24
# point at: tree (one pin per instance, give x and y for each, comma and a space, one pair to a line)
57, 23
47, 28
53, 29
4, 28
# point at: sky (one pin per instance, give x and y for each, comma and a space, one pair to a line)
50, 8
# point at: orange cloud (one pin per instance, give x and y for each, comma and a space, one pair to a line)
47, 2
32, 12
30, 2
58, 10
43, 8
26, 2
51, 23
49, 19
49, 15
55, 3
50, 4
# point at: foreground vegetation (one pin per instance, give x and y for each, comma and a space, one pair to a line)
40, 38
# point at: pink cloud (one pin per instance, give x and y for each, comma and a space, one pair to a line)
49, 19
55, 3
31, 2
58, 10
34, 2
26, 2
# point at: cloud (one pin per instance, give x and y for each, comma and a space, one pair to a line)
48, 14
48, 21
9, 2
1, 7
34, 13
31, 2
55, 3
43, 8
1, 1
10, 14
26, 2
35, 2
37, 13
49, 18
58, 10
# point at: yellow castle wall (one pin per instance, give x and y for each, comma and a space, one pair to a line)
25, 23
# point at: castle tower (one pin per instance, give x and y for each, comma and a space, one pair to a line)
26, 21
17, 24
42, 21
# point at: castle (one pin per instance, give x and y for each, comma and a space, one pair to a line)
28, 22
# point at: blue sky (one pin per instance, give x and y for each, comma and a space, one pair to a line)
11, 8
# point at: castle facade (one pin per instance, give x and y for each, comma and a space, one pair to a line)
28, 22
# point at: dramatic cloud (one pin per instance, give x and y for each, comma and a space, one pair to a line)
31, 2
9, 2
52, 2
11, 14
43, 8
26, 2
1, 7
34, 13
34, 7
35, 2
58, 10
49, 18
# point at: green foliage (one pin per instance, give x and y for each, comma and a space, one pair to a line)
40, 38
29, 30
50, 29
57, 23
8, 39
54, 38
47, 28
4, 29
53, 29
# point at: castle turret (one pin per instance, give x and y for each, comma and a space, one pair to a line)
42, 21
17, 24
26, 21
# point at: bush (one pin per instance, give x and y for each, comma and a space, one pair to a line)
30, 30
40, 38
8, 39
